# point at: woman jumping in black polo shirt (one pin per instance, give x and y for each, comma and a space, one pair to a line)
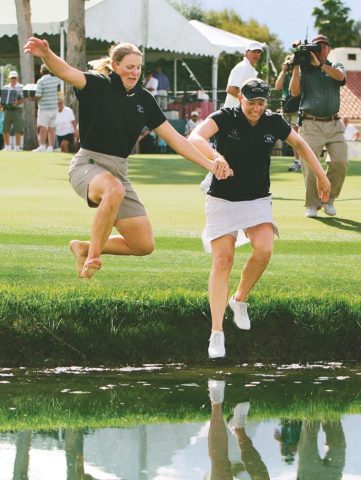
239, 208
113, 109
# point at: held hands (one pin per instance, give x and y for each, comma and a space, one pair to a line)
37, 47
220, 168
323, 188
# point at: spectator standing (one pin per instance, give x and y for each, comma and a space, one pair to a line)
319, 85
163, 87
151, 83
47, 97
13, 112
243, 71
351, 132
283, 83
66, 130
192, 123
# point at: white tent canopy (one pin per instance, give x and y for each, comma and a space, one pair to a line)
152, 24
221, 40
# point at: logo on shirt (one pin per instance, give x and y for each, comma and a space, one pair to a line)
234, 134
268, 138
140, 108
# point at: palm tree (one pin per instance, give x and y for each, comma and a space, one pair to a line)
332, 20
75, 46
23, 13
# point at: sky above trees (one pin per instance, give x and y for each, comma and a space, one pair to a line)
287, 19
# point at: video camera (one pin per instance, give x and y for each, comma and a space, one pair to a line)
302, 52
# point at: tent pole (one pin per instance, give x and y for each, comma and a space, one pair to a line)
268, 62
145, 27
175, 77
62, 49
214, 82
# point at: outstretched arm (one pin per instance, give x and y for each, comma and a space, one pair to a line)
323, 183
200, 136
57, 66
218, 166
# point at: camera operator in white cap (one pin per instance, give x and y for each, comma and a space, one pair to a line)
242, 72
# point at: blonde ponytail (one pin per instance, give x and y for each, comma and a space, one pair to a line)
116, 54
101, 65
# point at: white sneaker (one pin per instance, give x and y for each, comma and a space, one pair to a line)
329, 209
50, 149
41, 148
216, 390
238, 419
16, 148
311, 212
216, 345
7, 148
241, 318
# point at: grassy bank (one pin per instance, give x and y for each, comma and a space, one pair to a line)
306, 306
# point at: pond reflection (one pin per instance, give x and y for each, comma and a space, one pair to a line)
235, 431
295, 437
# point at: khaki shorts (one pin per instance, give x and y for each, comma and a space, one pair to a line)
87, 164
46, 118
14, 118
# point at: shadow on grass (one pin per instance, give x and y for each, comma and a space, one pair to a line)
341, 223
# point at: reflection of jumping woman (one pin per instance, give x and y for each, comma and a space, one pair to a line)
113, 110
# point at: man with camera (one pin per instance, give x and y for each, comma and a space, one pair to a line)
318, 81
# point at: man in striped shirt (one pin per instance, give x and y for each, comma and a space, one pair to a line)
46, 95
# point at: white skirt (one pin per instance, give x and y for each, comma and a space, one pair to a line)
233, 218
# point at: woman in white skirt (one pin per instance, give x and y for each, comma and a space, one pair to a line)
241, 205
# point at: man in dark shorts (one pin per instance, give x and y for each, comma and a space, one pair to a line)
65, 127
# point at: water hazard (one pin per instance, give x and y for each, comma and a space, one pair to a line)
171, 422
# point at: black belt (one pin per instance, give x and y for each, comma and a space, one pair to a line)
320, 119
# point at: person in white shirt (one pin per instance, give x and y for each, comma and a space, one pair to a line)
243, 71
192, 123
66, 130
351, 132
151, 83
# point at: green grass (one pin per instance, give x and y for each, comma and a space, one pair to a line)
313, 281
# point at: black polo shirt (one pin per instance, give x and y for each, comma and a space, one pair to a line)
110, 118
247, 149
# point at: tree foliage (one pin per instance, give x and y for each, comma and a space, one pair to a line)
332, 19
230, 21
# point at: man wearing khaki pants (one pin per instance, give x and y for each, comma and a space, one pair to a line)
319, 85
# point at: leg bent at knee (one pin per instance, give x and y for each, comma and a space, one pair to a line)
263, 253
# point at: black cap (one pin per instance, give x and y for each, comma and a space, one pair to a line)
255, 88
